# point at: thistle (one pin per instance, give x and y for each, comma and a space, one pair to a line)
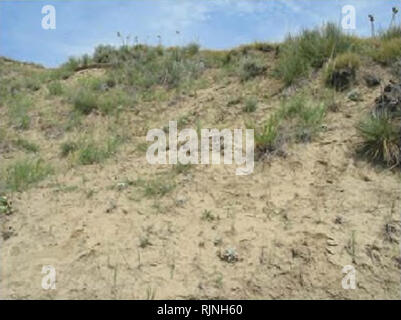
395, 11
372, 21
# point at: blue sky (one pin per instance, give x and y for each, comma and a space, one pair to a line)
214, 24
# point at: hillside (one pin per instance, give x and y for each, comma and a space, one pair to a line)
78, 193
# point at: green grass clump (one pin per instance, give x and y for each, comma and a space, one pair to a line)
91, 152
105, 54
85, 101
309, 122
299, 119
26, 145
391, 33
381, 139
311, 49
55, 88
114, 100
266, 139
250, 67
349, 60
32, 83
144, 67
100, 94
71, 65
24, 173
251, 104
157, 187
389, 51
68, 148
18, 112
192, 49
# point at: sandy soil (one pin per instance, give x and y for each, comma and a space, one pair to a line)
293, 224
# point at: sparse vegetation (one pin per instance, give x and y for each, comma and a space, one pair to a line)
341, 71
79, 121
18, 112
91, 152
388, 51
26, 145
55, 88
311, 49
298, 120
250, 67
381, 139
85, 101
24, 173
251, 104
67, 148
157, 187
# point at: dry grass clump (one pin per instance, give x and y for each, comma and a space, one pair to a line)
381, 139
388, 51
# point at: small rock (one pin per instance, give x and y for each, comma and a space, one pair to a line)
393, 231
5, 205
339, 220
390, 100
181, 200
229, 255
121, 186
341, 79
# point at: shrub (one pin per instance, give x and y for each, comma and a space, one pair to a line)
381, 139
32, 83
192, 49
24, 173
85, 101
263, 46
250, 67
105, 54
55, 88
311, 49
71, 65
